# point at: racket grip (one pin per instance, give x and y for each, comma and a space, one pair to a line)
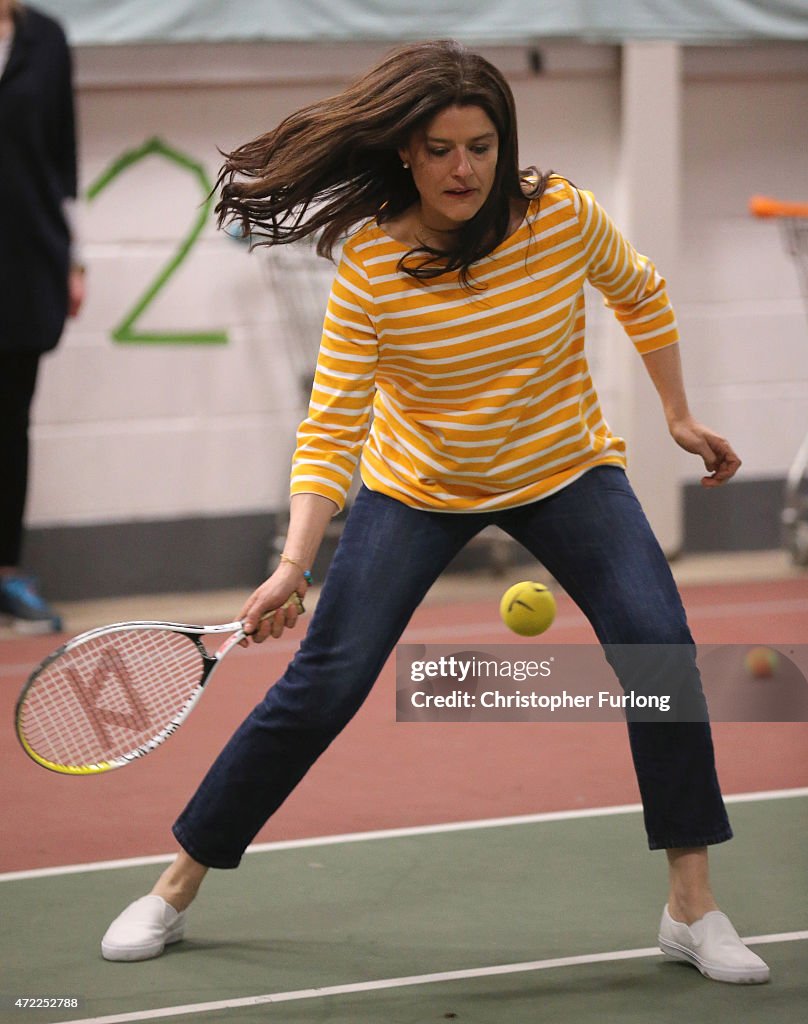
295, 599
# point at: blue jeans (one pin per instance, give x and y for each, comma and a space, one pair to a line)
595, 540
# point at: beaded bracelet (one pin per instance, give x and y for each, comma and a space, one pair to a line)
306, 572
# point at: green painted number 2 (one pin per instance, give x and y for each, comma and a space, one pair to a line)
126, 331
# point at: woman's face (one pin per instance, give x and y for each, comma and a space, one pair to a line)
453, 162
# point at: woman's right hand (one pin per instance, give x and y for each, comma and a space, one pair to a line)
266, 612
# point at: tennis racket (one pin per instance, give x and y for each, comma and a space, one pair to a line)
112, 695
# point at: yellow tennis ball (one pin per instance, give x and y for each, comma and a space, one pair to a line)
761, 662
527, 608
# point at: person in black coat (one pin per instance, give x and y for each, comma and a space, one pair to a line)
41, 281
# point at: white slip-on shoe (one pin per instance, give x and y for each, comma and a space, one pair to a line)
143, 930
713, 946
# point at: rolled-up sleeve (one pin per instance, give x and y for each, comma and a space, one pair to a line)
330, 439
629, 282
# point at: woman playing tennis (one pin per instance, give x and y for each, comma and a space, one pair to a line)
456, 319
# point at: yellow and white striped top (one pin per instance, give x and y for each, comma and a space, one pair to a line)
480, 400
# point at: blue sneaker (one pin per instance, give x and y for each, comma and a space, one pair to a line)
31, 613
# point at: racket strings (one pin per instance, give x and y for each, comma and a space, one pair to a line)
106, 698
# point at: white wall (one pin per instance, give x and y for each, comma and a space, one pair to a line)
128, 432
159, 431
738, 298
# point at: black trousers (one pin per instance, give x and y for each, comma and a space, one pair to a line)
18, 372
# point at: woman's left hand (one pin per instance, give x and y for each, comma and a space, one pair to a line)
717, 453
76, 291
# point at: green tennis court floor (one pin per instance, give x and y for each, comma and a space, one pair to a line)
356, 932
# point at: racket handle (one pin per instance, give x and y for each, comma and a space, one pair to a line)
295, 600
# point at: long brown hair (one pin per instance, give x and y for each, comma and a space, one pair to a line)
335, 163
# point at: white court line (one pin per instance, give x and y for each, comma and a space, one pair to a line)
416, 979
390, 833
